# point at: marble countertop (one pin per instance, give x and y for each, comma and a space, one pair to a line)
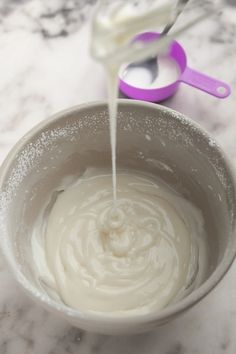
45, 67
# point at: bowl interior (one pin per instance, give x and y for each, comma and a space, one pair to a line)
150, 138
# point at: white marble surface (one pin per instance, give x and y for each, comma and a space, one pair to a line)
44, 67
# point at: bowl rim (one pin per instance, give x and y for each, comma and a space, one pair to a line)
111, 318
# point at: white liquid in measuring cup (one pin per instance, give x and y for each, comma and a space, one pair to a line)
139, 76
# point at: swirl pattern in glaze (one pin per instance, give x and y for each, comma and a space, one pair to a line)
136, 258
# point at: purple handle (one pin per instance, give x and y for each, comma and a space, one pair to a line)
205, 83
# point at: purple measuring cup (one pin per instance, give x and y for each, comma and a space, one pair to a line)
187, 75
